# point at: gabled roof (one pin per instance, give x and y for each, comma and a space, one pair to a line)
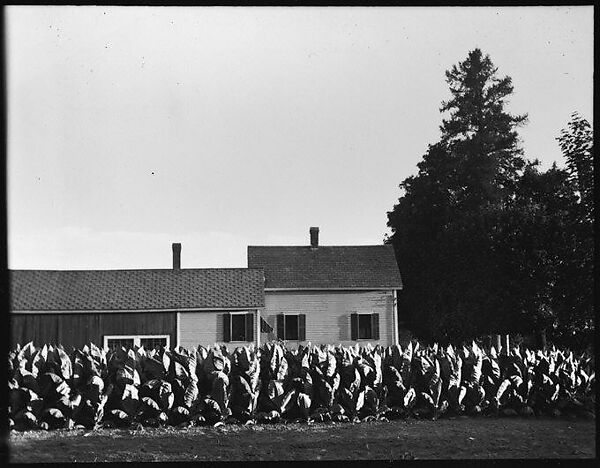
219, 288
327, 267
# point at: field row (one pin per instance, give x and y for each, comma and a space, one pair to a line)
51, 389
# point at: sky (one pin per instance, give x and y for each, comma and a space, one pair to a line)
130, 128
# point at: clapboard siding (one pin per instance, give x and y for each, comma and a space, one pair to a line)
206, 328
76, 329
328, 313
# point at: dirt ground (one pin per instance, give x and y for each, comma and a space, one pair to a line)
395, 440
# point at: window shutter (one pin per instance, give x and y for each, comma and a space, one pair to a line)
302, 327
227, 327
250, 326
375, 326
280, 327
354, 327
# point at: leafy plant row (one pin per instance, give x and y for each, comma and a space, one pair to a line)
51, 388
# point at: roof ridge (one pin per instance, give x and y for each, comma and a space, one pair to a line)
316, 248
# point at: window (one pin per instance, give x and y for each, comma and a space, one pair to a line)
364, 326
238, 326
291, 327
129, 341
365, 330
152, 343
114, 343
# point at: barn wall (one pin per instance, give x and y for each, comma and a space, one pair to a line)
76, 329
206, 328
328, 314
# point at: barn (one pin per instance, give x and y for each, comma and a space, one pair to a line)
137, 307
329, 294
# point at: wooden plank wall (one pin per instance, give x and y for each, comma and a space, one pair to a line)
76, 329
328, 313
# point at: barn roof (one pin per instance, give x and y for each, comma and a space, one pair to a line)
81, 290
327, 267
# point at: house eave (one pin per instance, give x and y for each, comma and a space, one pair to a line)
129, 311
389, 288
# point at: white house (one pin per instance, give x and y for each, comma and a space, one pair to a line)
329, 294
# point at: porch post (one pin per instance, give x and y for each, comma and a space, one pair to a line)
395, 319
178, 330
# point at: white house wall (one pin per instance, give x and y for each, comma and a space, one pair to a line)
328, 313
206, 328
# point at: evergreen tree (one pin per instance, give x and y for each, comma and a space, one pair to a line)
480, 131
443, 226
485, 241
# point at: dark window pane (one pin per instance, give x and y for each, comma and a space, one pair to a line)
120, 343
151, 343
364, 327
238, 327
291, 327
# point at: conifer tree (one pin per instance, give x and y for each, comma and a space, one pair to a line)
443, 226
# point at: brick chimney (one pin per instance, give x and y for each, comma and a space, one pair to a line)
314, 237
176, 256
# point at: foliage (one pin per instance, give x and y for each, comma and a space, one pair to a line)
573, 299
485, 241
479, 134
576, 143
50, 389
443, 225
